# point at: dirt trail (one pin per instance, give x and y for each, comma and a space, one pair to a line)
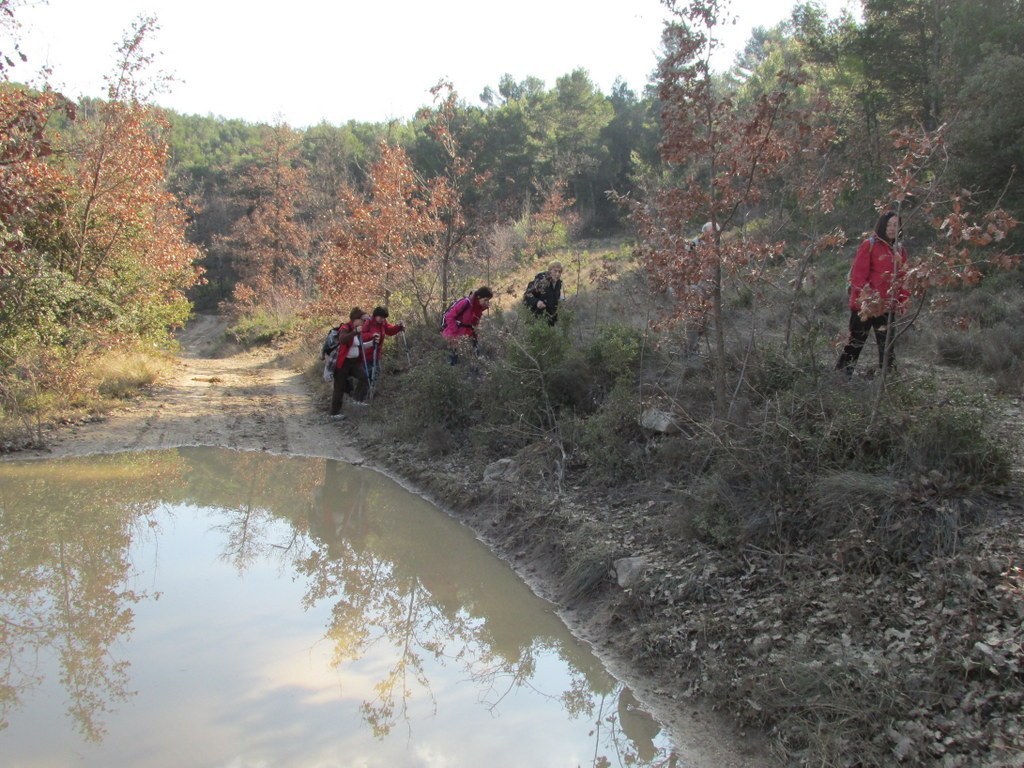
245, 401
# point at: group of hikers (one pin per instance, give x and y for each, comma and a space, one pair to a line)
353, 351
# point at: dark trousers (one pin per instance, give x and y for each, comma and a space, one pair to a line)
548, 313
351, 368
859, 330
462, 343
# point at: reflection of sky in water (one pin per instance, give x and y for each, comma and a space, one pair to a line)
273, 598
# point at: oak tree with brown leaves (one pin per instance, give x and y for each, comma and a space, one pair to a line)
126, 231
401, 234
458, 226
270, 245
32, 195
379, 243
94, 242
964, 243
724, 155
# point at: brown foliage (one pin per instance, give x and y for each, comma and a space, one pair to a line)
727, 156
30, 185
270, 243
380, 242
92, 239
402, 234
965, 243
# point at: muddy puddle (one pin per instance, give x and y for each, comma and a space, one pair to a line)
205, 607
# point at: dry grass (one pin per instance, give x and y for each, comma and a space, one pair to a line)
122, 375
47, 390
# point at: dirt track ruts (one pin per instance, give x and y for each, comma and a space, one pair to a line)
246, 401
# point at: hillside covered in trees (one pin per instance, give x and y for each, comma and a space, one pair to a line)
867, 530
531, 166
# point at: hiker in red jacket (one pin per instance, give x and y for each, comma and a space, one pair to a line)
351, 364
877, 294
378, 324
461, 319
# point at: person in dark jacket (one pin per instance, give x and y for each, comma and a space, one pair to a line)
876, 292
544, 292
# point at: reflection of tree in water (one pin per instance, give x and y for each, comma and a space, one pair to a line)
64, 541
65, 536
366, 591
251, 493
629, 735
427, 606
368, 560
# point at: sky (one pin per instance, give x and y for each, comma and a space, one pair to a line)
303, 62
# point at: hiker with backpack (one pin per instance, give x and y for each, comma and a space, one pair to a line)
351, 363
378, 324
544, 292
876, 293
458, 324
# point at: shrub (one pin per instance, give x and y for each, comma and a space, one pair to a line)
38, 384
958, 348
954, 439
773, 372
612, 439
1002, 350
614, 352
436, 396
260, 329
879, 482
980, 307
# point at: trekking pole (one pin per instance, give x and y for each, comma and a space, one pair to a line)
372, 373
405, 343
376, 359
366, 371
369, 381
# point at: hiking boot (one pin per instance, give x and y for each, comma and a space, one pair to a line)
359, 403
337, 417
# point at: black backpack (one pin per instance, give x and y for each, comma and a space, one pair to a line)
331, 343
528, 298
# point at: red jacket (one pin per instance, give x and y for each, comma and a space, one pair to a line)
876, 265
347, 337
461, 320
384, 328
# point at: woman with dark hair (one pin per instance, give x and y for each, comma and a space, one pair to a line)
378, 324
352, 341
876, 292
458, 326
